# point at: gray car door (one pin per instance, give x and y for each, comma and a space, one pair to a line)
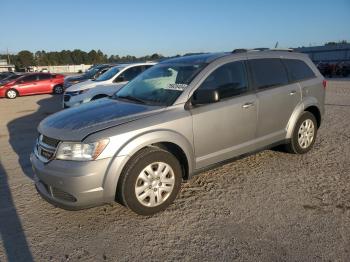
277, 98
226, 128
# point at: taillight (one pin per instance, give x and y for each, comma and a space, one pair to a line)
324, 83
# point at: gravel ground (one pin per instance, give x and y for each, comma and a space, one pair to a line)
271, 206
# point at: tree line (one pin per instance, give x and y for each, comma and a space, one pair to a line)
26, 58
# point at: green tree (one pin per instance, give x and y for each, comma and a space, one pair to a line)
25, 58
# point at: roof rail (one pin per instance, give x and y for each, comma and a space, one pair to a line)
243, 50
282, 49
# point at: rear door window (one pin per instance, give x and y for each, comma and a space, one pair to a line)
267, 73
44, 77
29, 78
298, 70
131, 73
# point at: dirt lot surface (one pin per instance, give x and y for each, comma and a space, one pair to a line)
271, 206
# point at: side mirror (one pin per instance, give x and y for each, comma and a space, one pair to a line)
205, 96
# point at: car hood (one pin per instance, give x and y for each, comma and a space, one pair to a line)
75, 78
82, 86
76, 123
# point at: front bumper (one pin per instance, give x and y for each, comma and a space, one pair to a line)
71, 184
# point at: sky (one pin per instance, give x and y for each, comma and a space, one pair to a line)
141, 27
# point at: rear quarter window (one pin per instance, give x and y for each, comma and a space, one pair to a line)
298, 70
268, 72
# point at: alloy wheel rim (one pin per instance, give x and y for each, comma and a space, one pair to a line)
11, 94
306, 133
154, 184
58, 90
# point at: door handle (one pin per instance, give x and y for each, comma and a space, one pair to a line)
247, 105
292, 92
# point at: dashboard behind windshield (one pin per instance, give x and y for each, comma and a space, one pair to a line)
162, 84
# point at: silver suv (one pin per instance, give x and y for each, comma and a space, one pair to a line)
180, 117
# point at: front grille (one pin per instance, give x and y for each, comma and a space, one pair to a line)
66, 98
45, 148
46, 154
58, 193
50, 141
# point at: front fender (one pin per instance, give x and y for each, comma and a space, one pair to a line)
128, 149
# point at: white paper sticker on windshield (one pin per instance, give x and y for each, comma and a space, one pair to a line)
179, 87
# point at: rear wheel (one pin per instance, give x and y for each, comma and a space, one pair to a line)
58, 90
11, 93
304, 134
150, 182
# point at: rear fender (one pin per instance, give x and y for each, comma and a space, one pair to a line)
299, 109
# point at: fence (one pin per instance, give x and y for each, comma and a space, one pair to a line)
64, 68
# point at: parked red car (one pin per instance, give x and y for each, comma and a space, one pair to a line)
34, 83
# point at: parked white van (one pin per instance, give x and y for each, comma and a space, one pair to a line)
103, 86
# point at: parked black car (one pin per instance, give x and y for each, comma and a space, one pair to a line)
4, 75
9, 78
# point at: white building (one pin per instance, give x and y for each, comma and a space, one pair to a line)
4, 66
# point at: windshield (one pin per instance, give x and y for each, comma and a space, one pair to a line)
108, 74
162, 84
90, 73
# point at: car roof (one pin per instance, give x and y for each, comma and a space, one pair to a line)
196, 58
122, 66
210, 57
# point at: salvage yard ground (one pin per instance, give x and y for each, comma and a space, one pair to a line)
271, 206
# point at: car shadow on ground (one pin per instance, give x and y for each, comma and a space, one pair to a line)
22, 135
11, 231
23, 131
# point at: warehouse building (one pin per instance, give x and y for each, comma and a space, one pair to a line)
331, 53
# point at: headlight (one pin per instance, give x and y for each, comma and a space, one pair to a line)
83, 91
81, 151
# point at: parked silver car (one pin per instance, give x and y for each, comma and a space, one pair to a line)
180, 117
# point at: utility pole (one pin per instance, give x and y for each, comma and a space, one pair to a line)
8, 57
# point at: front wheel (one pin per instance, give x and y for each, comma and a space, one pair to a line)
304, 134
150, 182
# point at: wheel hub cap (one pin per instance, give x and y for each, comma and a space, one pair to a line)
11, 94
154, 184
306, 133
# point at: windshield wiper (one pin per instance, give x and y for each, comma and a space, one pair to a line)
131, 98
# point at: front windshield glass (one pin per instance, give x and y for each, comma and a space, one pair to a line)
90, 73
162, 84
108, 74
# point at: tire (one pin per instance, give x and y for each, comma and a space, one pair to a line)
304, 134
144, 194
57, 90
11, 93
